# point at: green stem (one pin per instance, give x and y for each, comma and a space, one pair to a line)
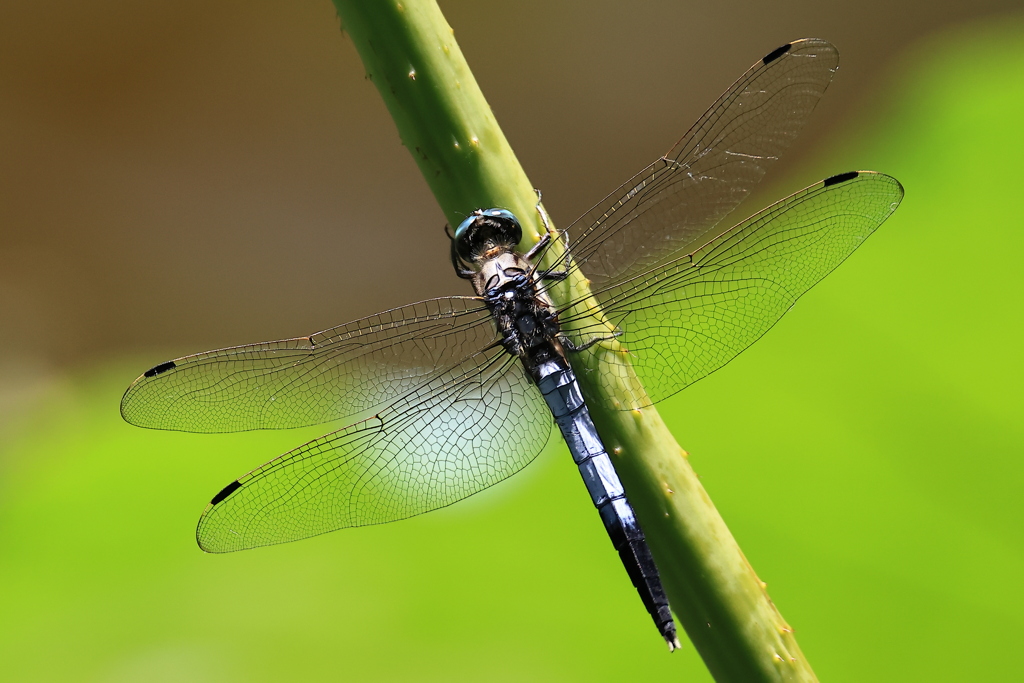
410, 53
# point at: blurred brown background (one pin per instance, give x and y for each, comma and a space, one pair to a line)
181, 176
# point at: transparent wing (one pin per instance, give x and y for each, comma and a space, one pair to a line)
342, 373
684, 320
674, 204
465, 430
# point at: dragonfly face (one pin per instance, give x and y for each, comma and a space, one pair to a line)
435, 394
485, 234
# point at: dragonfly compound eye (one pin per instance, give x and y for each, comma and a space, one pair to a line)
485, 230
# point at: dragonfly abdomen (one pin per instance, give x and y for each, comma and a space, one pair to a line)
557, 383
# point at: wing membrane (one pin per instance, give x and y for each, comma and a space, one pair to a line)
344, 372
674, 204
467, 429
684, 320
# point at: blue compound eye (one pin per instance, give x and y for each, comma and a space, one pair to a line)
460, 231
501, 213
486, 229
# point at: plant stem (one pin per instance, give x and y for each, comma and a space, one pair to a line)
410, 54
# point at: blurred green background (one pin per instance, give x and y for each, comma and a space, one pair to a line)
177, 178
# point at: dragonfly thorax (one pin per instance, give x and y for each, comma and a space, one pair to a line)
484, 252
526, 323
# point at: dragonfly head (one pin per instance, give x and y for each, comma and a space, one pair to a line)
485, 234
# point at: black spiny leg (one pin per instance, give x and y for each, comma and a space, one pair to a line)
553, 275
570, 345
548, 231
544, 241
548, 275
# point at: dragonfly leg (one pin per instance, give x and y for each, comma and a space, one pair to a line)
537, 248
545, 220
549, 274
570, 345
553, 275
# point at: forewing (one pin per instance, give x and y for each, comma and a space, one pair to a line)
674, 204
684, 320
462, 432
342, 373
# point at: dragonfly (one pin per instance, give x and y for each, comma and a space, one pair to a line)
446, 397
